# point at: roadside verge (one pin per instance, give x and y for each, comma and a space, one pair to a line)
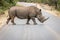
3, 19
50, 10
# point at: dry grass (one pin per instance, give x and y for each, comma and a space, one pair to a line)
51, 10
3, 19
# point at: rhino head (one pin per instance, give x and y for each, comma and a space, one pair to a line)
41, 18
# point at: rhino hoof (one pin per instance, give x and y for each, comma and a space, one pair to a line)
35, 23
14, 23
28, 23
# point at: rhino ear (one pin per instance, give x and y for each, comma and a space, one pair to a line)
40, 9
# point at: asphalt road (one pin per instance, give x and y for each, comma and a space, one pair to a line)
49, 30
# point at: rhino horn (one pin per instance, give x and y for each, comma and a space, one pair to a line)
45, 19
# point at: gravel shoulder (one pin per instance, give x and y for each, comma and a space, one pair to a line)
50, 10
3, 19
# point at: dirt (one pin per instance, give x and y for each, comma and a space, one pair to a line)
3, 19
50, 10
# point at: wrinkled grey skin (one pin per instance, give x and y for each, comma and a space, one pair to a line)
25, 13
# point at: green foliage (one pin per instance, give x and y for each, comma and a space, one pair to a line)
1, 12
5, 4
55, 3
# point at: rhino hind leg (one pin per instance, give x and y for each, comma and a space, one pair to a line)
8, 20
12, 20
28, 21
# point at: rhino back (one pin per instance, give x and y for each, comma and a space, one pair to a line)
23, 12
20, 12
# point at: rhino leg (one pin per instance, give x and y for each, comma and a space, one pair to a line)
8, 20
12, 20
33, 19
28, 21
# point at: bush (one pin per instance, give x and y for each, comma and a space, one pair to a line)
1, 12
5, 4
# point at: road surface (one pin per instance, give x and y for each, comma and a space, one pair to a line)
49, 30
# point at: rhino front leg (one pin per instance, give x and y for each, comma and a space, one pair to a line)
28, 21
33, 19
12, 20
